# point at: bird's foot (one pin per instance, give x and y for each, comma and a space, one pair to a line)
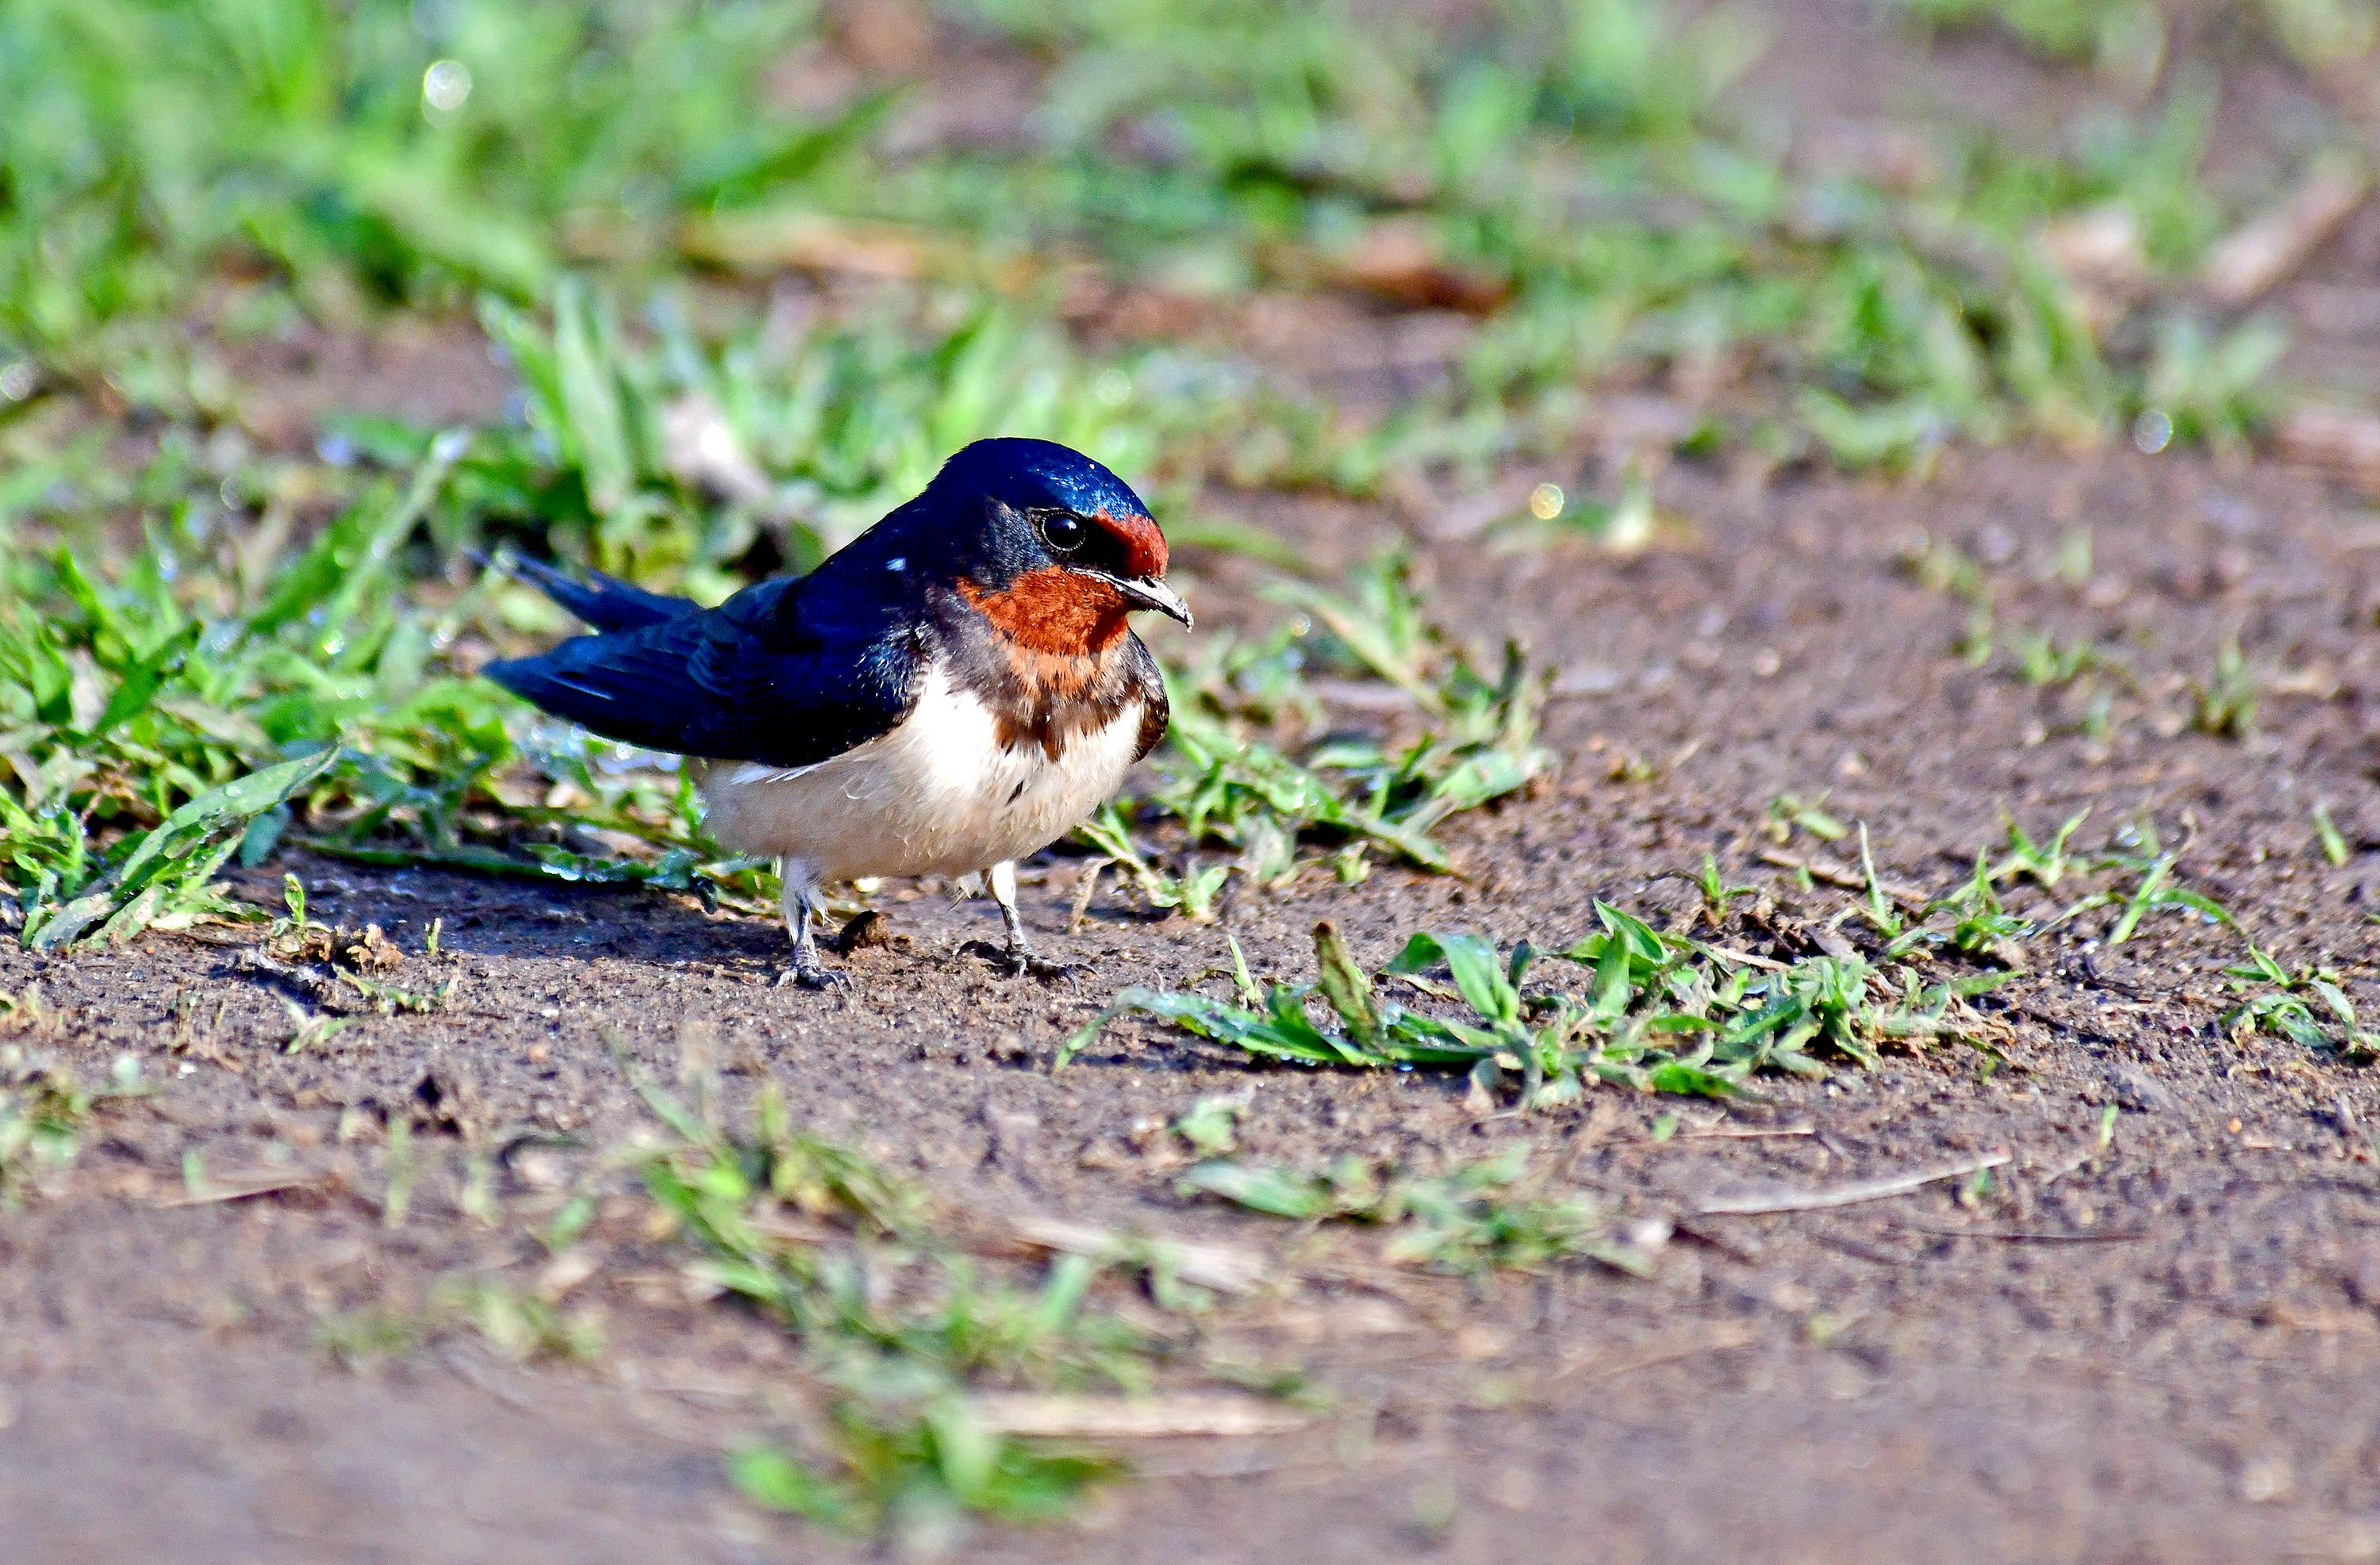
1026, 962
809, 973
1022, 962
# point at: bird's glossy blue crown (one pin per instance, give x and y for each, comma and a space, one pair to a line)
1030, 474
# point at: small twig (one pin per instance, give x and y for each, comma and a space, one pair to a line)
1755, 1202
1716, 1132
1225, 1268
1213, 1414
1816, 868
1724, 1245
1859, 1249
1748, 960
1910, 898
2023, 1236
2261, 253
1742, 1133
1087, 883
2068, 1167
235, 1187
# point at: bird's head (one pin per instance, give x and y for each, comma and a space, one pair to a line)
1060, 548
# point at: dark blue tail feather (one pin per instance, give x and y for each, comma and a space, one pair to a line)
606, 602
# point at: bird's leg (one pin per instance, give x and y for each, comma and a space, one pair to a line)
1021, 956
807, 970
1002, 880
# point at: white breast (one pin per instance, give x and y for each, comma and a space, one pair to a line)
937, 795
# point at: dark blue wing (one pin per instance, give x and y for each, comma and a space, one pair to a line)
606, 602
754, 679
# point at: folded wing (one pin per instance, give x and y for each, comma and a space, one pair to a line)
747, 681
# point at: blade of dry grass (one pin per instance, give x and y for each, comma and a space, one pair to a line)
1112, 1418
1751, 1203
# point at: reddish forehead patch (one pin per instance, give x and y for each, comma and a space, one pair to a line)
1144, 545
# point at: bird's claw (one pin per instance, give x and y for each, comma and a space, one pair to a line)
1024, 964
813, 975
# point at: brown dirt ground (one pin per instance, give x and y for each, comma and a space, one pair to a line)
2162, 1350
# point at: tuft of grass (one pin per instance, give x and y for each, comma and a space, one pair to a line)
1212, 1126
1789, 812
2307, 1005
1471, 1220
1667, 1012
1474, 738
160, 878
2137, 852
1233, 779
2042, 659
893, 1321
213, 695
2224, 704
521, 1326
912, 1477
2044, 864
43, 1113
361, 1339
2326, 836
1717, 894
1659, 1013
1192, 893
780, 1219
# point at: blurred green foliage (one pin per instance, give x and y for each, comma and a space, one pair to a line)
413, 149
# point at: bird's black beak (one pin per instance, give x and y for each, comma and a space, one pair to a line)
1147, 592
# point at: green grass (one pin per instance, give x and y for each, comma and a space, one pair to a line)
210, 653
893, 1321
205, 653
2128, 40
44, 1109
1470, 1221
1255, 765
912, 1477
899, 1327
1669, 1012
2305, 1005
376, 151
1660, 1012
1576, 170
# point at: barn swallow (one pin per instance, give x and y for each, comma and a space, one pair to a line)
952, 690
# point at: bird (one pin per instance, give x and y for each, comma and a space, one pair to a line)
951, 691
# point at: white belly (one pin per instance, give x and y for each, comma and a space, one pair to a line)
937, 795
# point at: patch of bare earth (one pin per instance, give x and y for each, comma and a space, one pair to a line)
2159, 1348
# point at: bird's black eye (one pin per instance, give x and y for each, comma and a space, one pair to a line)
1062, 533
